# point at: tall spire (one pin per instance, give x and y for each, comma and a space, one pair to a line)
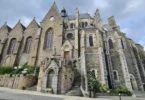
97, 15
98, 21
112, 22
77, 18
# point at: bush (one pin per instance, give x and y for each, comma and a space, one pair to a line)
104, 88
6, 70
93, 83
10, 71
122, 90
23, 87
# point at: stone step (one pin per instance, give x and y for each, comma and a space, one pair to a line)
76, 92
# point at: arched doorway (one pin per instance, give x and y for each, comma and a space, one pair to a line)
133, 83
66, 52
50, 79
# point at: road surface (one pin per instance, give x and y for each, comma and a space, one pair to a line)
4, 95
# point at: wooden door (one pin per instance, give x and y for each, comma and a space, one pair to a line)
66, 55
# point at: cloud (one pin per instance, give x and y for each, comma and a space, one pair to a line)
129, 14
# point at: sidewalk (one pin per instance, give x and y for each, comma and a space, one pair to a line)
49, 95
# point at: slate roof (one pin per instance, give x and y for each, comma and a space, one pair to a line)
90, 27
82, 16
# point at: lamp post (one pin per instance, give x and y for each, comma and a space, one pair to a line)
16, 68
119, 96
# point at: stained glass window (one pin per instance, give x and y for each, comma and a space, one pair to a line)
91, 41
49, 39
110, 44
28, 44
12, 46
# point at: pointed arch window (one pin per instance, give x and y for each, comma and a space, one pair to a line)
28, 44
115, 74
110, 44
49, 39
71, 25
83, 25
86, 24
12, 46
122, 44
91, 41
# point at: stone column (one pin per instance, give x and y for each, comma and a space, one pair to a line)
40, 77
102, 66
124, 67
1, 47
35, 48
83, 60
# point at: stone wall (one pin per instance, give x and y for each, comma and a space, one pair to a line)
18, 82
67, 78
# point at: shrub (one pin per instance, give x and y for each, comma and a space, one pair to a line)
6, 70
104, 88
93, 83
122, 90
23, 87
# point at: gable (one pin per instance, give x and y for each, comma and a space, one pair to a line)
53, 13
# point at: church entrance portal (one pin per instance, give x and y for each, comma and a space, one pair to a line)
50, 79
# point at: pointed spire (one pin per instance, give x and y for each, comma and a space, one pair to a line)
112, 22
97, 12
77, 10
19, 21
5, 23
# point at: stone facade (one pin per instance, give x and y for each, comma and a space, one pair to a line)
63, 45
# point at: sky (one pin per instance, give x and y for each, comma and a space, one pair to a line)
129, 14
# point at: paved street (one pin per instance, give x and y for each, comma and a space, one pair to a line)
18, 96
124, 98
12, 94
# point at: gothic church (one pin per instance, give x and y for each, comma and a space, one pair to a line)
66, 47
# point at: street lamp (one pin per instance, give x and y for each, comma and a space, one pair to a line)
119, 96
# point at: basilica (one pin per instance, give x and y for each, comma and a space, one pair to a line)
66, 47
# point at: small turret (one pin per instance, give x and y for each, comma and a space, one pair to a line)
98, 21
112, 22
63, 13
77, 18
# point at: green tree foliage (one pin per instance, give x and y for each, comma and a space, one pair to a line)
93, 83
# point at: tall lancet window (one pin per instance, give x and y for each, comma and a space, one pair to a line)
49, 39
91, 41
28, 45
71, 25
86, 24
115, 74
12, 46
83, 25
110, 44
122, 44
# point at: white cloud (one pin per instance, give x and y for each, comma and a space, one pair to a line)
102, 4
25, 20
133, 6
